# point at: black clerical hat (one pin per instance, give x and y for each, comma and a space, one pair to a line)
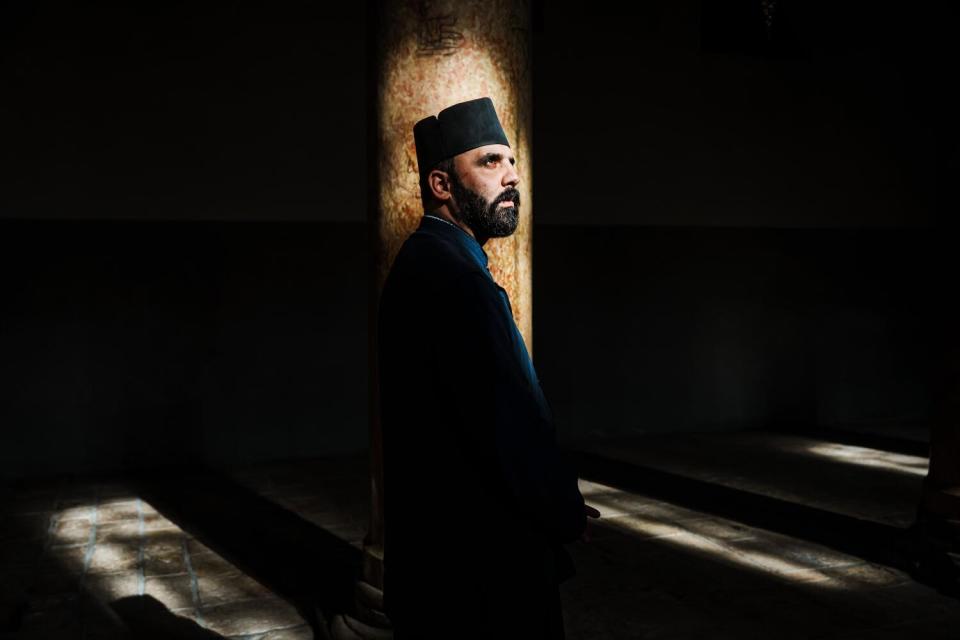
458, 128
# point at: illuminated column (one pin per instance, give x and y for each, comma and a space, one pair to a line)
426, 56
432, 55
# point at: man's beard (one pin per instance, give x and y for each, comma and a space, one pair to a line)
485, 219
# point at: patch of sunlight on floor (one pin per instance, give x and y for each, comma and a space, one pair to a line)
123, 547
732, 542
863, 456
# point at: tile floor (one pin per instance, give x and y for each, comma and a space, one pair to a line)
83, 557
72, 548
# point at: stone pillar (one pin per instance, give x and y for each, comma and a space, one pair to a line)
941, 494
431, 55
942, 485
941, 488
427, 55
935, 550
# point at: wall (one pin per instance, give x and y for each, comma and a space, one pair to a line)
728, 236
667, 113
663, 113
131, 344
146, 343
183, 111
647, 330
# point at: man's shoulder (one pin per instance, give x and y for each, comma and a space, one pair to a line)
431, 259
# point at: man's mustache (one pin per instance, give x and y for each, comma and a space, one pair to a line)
511, 194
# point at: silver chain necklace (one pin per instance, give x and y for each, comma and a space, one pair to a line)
427, 215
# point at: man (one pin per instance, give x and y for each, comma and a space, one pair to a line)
477, 498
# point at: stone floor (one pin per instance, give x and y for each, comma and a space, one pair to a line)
250, 553
95, 558
858, 481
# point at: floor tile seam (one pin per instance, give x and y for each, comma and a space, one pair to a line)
141, 569
94, 513
194, 585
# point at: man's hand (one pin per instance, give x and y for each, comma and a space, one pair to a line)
590, 513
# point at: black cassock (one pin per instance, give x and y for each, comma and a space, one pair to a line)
478, 500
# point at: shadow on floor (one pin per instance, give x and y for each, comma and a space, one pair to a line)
43, 594
869, 540
306, 565
149, 619
872, 541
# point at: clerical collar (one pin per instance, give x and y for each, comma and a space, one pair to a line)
466, 240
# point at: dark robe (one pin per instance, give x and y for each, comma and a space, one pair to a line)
477, 498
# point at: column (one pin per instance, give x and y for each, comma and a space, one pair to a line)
424, 56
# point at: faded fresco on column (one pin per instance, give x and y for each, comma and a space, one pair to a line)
435, 54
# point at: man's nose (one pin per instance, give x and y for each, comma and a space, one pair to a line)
511, 178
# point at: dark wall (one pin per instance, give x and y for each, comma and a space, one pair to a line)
655, 113
200, 110
144, 343
731, 231
645, 330
129, 344
682, 113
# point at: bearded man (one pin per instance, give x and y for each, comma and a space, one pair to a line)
477, 499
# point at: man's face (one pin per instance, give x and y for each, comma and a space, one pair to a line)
484, 189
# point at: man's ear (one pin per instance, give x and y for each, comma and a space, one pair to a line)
438, 184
